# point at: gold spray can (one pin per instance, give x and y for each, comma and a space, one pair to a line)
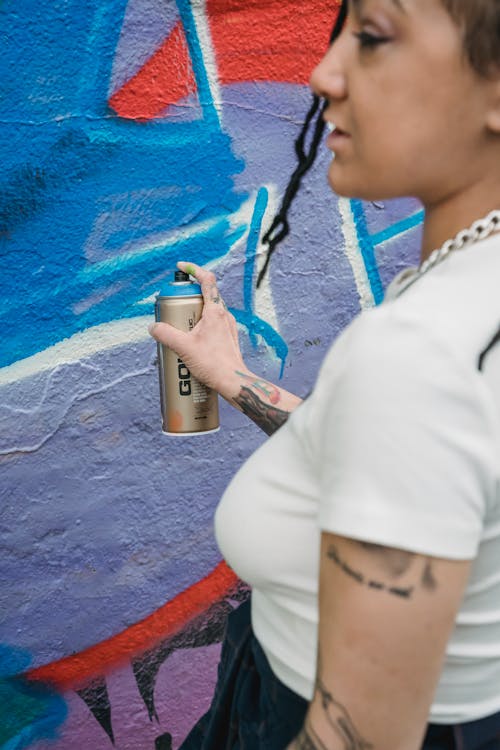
187, 406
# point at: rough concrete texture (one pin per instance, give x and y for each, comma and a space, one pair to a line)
137, 133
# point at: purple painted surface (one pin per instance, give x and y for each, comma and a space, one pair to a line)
183, 689
146, 25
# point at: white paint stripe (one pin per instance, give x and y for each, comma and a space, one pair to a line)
202, 24
79, 347
159, 242
132, 330
354, 256
263, 297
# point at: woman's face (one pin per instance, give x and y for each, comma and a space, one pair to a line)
408, 108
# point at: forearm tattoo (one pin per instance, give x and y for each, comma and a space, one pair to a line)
308, 740
395, 563
339, 720
268, 389
266, 416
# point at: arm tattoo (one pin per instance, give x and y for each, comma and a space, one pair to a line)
308, 740
428, 580
339, 719
268, 389
395, 561
266, 416
371, 583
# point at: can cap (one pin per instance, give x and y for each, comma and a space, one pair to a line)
180, 286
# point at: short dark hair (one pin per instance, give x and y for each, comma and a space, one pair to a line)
480, 21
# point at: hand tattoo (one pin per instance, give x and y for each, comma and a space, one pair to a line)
214, 295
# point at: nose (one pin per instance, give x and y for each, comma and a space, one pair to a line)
328, 78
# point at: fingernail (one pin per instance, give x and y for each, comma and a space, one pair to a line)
189, 269
151, 328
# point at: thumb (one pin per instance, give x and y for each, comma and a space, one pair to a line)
168, 335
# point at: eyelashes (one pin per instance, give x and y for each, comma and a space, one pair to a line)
369, 41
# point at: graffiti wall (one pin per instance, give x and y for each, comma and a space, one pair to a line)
137, 133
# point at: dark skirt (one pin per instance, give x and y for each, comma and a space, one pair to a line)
252, 710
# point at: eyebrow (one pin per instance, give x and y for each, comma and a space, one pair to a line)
358, 5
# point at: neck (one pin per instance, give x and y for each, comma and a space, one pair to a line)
444, 219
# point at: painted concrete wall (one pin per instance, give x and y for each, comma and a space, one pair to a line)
136, 133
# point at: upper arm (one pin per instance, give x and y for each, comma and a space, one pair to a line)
385, 618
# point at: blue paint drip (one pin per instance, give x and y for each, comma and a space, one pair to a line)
261, 328
367, 251
29, 711
398, 228
251, 254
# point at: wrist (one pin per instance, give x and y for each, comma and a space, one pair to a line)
230, 386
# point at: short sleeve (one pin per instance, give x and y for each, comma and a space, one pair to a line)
401, 440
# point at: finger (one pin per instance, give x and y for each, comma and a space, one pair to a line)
168, 335
234, 328
188, 267
207, 281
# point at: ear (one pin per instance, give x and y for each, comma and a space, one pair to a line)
493, 114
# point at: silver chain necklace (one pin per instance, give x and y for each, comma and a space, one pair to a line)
479, 230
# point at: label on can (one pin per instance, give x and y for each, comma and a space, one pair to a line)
188, 406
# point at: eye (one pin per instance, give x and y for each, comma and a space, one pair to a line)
369, 41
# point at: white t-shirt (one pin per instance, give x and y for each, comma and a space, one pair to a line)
399, 444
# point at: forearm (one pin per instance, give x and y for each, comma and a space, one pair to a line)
265, 403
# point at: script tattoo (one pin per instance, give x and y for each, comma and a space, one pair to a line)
356, 575
266, 416
395, 563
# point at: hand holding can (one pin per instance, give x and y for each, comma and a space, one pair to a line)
188, 406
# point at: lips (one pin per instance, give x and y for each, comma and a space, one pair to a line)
337, 137
334, 128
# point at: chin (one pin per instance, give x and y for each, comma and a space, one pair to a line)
350, 186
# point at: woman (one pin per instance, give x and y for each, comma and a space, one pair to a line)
369, 524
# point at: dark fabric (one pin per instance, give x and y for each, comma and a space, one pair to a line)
252, 710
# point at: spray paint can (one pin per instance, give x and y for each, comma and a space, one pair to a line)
187, 406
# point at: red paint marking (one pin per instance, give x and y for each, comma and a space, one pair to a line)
79, 669
253, 41
164, 79
271, 41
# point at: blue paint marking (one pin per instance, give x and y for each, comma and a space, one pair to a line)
398, 228
87, 206
251, 254
268, 333
103, 37
367, 251
29, 711
204, 92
